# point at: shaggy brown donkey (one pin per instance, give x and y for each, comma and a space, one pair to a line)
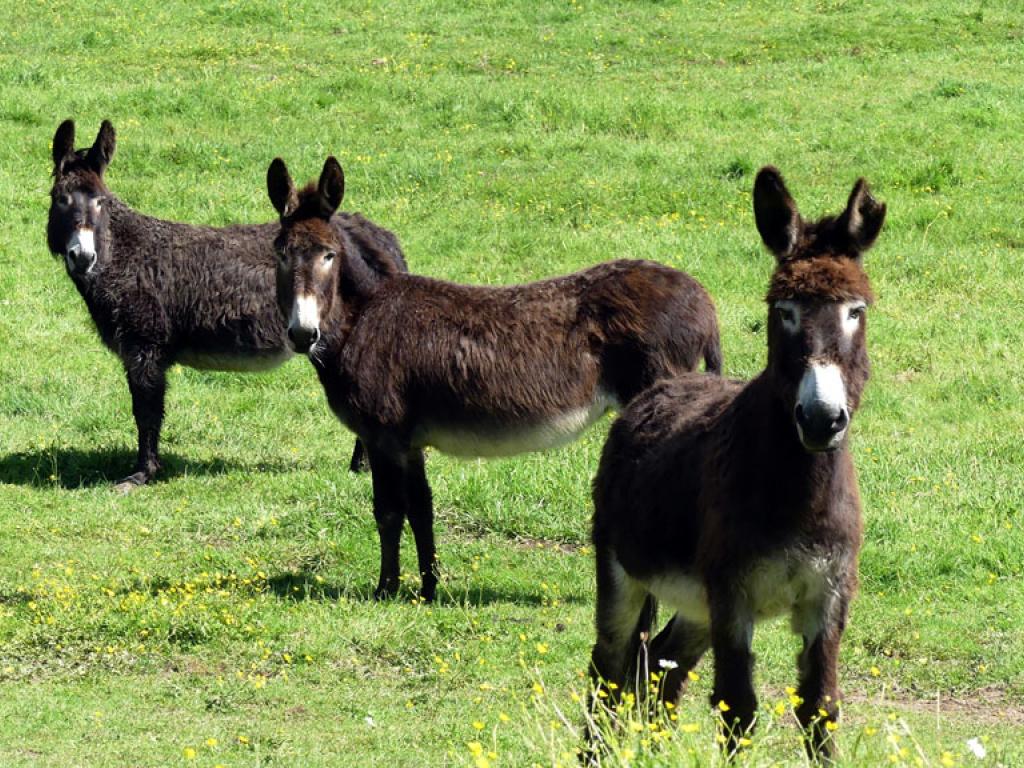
733, 502
409, 361
161, 292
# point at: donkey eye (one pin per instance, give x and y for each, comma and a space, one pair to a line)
856, 313
329, 256
64, 201
99, 202
787, 314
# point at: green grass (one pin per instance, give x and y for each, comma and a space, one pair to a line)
502, 142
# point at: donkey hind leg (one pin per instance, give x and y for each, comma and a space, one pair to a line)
420, 510
624, 611
732, 634
147, 382
681, 644
819, 679
358, 463
389, 510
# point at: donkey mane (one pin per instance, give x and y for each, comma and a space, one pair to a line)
826, 278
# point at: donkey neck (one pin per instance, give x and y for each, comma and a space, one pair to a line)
357, 286
792, 481
127, 228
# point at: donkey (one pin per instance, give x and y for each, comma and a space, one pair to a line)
733, 502
409, 361
161, 292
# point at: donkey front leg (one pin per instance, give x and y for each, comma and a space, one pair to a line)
147, 382
420, 510
732, 634
818, 711
389, 510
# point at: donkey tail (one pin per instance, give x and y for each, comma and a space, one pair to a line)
713, 355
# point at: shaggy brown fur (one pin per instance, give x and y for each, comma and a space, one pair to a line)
826, 277
161, 292
474, 371
713, 499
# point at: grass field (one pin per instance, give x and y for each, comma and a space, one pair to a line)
222, 616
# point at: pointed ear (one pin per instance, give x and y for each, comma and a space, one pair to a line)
281, 188
775, 212
863, 217
331, 187
63, 145
102, 150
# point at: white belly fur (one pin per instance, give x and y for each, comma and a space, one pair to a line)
683, 595
517, 438
773, 587
236, 363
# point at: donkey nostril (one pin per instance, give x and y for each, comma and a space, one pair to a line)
841, 421
314, 337
798, 412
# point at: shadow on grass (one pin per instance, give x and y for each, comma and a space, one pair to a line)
74, 468
302, 585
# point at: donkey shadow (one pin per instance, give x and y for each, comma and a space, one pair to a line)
73, 468
303, 585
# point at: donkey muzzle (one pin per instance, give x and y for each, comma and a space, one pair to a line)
823, 428
303, 339
81, 252
304, 323
821, 413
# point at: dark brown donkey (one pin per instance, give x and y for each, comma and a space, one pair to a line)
733, 502
474, 371
161, 292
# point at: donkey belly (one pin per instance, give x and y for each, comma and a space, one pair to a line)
683, 594
518, 437
240, 362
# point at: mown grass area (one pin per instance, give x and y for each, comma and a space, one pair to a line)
222, 616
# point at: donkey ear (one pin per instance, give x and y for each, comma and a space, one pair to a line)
281, 188
863, 217
331, 187
775, 212
102, 150
63, 144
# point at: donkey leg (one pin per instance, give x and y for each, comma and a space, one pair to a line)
389, 511
732, 634
147, 382
421, 520
682, 643
358, 463
622, 613
819, 680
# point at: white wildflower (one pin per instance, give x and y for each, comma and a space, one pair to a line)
977, 748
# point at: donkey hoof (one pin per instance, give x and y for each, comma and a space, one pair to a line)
428, 592
130, 483
386, 590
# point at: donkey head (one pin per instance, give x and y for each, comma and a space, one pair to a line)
77, 227
818, 297
310, 253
